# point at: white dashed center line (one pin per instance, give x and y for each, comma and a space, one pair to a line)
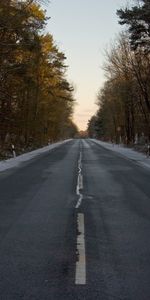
80, 276
80, 273
79, 182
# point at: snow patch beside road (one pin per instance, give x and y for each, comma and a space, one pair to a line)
14, 162
126, 152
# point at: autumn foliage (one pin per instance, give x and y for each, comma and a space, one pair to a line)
36, 100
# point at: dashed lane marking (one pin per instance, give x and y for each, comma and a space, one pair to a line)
79, 182
80, 275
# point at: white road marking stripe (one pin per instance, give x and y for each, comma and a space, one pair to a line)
80, 276
80, 157
79, 182
79, 201
80, 177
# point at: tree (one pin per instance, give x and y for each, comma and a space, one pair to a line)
137, 18
36, 100
121, 103
138, 21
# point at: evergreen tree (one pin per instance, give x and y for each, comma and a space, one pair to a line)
36, 100
137, 18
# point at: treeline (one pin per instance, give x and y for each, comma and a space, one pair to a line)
36, 100
123, 113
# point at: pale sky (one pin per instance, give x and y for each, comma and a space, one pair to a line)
82, 29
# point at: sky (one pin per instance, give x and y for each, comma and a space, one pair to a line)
82, 29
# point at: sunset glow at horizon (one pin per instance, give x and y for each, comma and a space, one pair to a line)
82, 30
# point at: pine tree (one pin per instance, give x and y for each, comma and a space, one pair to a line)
137, 19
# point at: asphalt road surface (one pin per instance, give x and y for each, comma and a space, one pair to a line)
75, 224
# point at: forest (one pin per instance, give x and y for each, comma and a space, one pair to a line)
123, 114
36, 99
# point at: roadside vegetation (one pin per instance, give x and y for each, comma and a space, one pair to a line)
36, 99
123, 114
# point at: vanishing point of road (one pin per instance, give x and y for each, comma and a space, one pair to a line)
75, 224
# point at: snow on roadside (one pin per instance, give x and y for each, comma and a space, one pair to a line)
14, 162
131, 154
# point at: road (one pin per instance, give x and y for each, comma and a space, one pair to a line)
75, 224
